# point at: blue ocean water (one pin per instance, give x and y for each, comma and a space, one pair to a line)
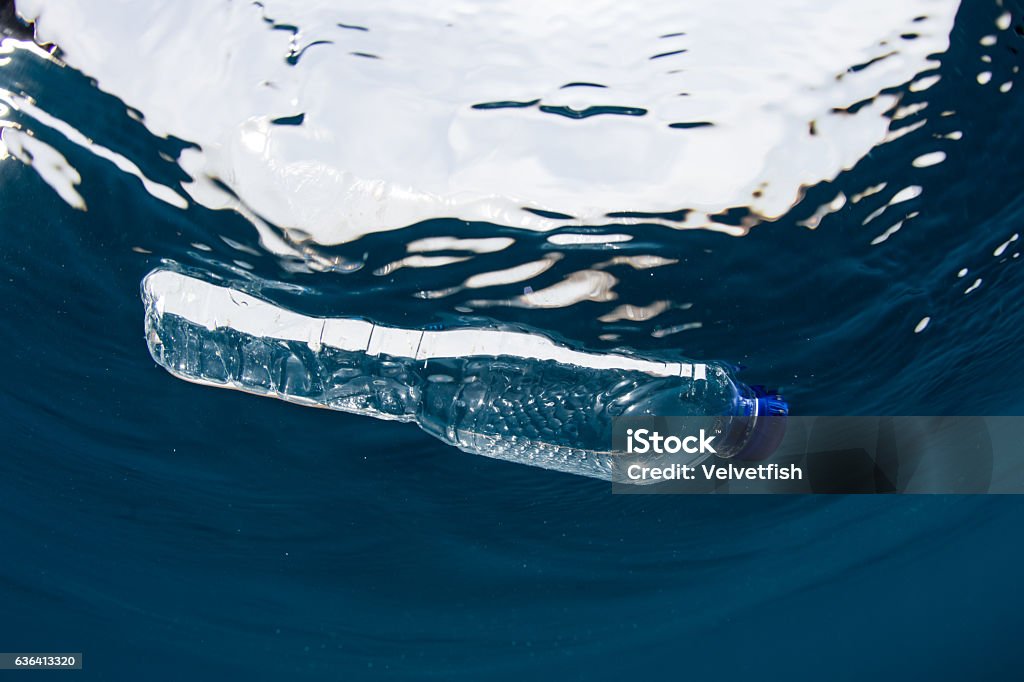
167, 530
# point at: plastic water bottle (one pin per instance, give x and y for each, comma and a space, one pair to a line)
511, 395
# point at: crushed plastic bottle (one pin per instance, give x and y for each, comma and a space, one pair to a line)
510, 395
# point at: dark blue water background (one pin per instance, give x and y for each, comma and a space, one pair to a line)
171, 531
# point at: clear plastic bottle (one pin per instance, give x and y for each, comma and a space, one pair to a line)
505, 394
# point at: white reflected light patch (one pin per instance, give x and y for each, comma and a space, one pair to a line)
27, 106
518, 273
573, 239
636, 313
419, 262
367, 117
585, 285
644, 262
50, 164
486, 245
